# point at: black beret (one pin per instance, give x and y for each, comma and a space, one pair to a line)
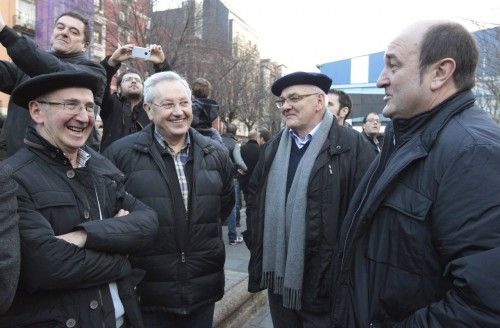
320, 80
45, 83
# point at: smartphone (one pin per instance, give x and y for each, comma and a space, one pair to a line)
141, 52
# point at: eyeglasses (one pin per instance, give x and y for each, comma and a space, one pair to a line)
74, 107
132, 78
292, 99
171, 105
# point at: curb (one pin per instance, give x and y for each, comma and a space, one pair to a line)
237, 306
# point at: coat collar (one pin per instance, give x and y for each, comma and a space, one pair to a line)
97, 163
197, 140
418, 146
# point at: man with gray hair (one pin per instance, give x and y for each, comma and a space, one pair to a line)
299, 193
187, 179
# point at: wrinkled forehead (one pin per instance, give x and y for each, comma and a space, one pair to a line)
74, 93
171, 90
297, 89
70, 22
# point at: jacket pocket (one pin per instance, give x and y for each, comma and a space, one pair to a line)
54, 205
399, 232
53, 199
398, 240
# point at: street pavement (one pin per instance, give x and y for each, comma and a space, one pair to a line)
236, 269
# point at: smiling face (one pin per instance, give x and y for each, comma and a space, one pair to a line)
407, 92
302, 116
173, 123
68, 36
63, 129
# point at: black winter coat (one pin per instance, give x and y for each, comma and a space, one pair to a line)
250, 154
185, 266
421, 247
29, 60
118, 118
380, 139
342, 161
10, 257
61, 284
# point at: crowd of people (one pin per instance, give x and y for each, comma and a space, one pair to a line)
345, 229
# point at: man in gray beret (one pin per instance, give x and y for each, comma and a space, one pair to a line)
299, 193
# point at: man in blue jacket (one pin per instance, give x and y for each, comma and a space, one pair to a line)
420, 244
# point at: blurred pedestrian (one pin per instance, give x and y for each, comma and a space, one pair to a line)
205, 110
371, 131
233, 147
340, 105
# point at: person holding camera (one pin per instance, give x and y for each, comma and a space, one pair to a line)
122, 112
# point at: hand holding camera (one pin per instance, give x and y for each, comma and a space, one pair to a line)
153, 53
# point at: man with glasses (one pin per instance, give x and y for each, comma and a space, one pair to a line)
69, 42
371, 131
122, 112
187, 179
77, 223
299, 193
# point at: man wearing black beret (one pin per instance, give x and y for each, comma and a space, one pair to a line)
299, 193
77, 223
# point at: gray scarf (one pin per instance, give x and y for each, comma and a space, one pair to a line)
284, 219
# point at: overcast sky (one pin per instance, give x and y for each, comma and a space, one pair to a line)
303, 34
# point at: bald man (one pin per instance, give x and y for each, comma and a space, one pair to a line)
420, 243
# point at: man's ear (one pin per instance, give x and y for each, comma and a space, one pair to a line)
442, 73
36, 113
148, 110
85, 46
321, 101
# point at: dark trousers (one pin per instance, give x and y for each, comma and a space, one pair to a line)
201, 318
286, 318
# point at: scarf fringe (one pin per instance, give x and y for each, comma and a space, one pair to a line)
292, 298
